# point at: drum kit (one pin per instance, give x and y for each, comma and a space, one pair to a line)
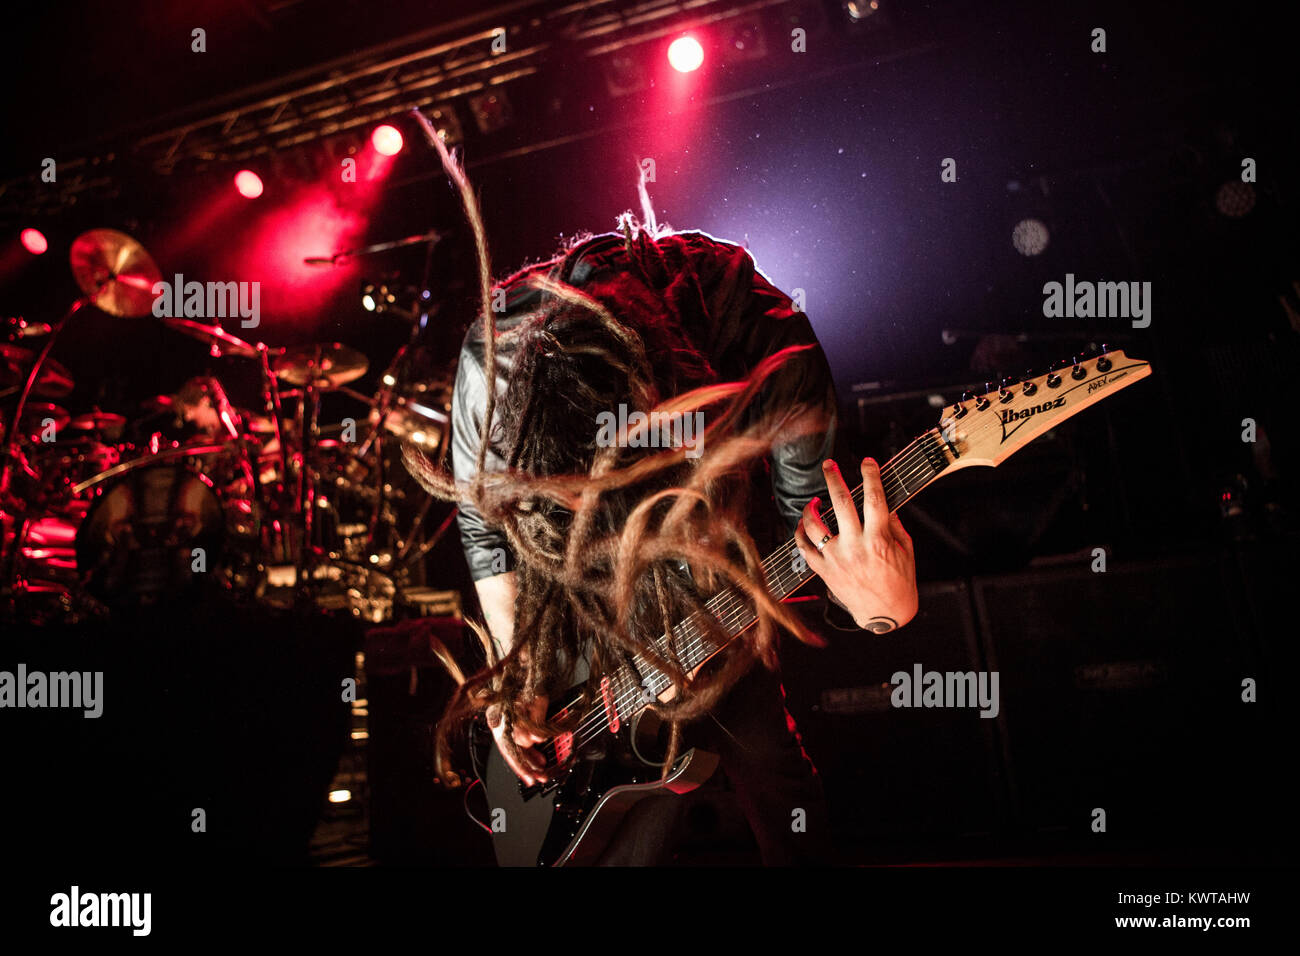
109, 512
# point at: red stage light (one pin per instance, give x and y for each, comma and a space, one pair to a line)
248, 183
387, 140
33, 241
685, 54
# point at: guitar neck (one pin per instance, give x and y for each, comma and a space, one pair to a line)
636, 683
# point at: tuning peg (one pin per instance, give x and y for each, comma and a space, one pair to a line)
1004, 390
982, 402
1030, 387
1078, 371
959, 410
1104, 364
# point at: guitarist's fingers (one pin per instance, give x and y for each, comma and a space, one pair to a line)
846, 512
536, 709
527, 767
812, 525
808, 549
526, 738
875, 512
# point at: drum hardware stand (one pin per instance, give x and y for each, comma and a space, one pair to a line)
14, 453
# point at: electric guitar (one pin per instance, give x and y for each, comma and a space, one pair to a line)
607, 763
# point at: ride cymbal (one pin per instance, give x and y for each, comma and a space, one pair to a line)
97, 421
325, 365
214, 336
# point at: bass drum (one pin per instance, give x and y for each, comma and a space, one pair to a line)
154, 535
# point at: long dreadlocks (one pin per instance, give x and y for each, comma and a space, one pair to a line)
614, 544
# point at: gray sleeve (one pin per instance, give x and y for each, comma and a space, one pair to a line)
486, 550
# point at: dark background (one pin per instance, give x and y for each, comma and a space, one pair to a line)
827, 166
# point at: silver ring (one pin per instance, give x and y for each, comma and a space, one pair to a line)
821, 545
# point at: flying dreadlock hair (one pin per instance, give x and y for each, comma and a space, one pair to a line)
602, 531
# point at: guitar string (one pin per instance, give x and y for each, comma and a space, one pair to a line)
597, 717
913, 457
695, 643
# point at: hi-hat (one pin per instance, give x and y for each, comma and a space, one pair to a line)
115, 271
36, 415
97, 421
324, 366
214, 336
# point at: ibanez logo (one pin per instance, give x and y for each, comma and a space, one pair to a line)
1012, 420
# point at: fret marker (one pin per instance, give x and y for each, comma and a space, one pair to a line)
611, 712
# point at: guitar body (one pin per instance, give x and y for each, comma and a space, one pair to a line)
572, 819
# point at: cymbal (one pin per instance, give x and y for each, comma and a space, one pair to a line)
325, 365
54, 381
35, 414
97, 421
214, 336
115, 271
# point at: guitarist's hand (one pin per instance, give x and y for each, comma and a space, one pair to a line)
531, 768
869, 566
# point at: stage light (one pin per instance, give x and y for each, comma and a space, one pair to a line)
387, 140
33, 241
685, 54
1030, 237
368, 297
248, 183
340, 796
860, 9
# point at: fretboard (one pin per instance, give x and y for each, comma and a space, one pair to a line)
638, 682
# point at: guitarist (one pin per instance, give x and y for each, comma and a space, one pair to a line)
706, 314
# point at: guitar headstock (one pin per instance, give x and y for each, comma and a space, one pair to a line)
988, 429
